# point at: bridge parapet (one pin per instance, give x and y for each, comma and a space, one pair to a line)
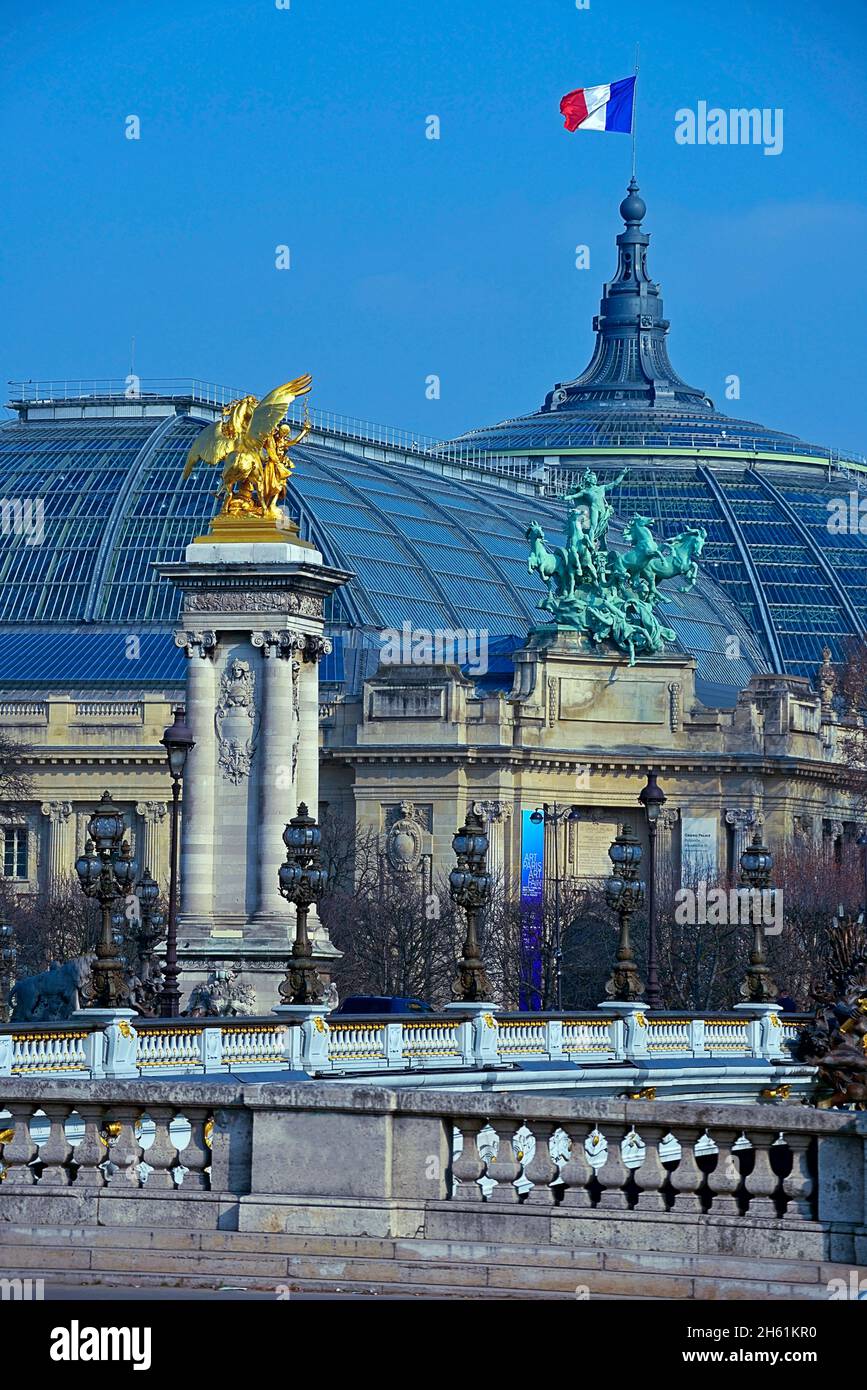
251, 1155
612, 1050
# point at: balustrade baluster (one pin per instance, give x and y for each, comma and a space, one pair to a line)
762, 1183
724, 1179
576, 1174
504, 1168
612, 1177
651, 1173
470, 1166
541, 1171
195, 1155
54, 1154
798, 1186
161, 1155
89, 1152
20, 1149
123, 1153
687, 1177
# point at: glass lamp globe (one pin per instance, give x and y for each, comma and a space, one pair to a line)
106, 824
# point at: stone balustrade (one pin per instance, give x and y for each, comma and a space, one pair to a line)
790, 1176
624, 1051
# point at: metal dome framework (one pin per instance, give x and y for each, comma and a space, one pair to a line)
426, 549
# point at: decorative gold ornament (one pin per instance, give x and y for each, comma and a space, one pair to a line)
209, 1132
252, 444
110, 1132
319, 1024
124, 1029
777, 1092
641, 1020
6, 1136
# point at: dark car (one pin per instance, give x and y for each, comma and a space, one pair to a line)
383, 1004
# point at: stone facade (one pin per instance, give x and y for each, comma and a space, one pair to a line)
416, 748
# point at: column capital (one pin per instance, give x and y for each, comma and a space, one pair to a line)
493, 810
200, 643
278, 643
58, 812
151, 811
315, 647
741, 818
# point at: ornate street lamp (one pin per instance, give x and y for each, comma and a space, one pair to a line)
624, 894
106, 871
302, 881
556, 815
177, 741
150, 931
757, 862
470, 888
8, 956
652, 799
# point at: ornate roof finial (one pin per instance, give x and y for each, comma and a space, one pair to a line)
630, 362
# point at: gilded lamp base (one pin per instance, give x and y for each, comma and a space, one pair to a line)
245, 528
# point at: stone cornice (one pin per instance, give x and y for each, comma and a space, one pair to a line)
612, 763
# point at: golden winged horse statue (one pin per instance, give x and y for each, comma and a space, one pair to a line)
252, 444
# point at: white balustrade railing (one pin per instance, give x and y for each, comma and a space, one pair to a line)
669, 1035
169, 1047
49, 1051
253, 1044
424, 1039
727, 1035
632, 1040
589, 1037
357, 1042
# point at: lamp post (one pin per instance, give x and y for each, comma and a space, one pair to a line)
150, 930
470, 888
177, 741
652, 799
8, 956
624, 893
556, 815
106, 871
302, 881
757, 862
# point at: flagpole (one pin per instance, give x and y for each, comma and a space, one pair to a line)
635, 109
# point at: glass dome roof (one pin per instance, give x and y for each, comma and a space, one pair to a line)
426, 549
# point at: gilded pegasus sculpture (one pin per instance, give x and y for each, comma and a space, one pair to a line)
252, 444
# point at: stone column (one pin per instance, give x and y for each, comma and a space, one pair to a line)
665, 865
277, 799
61, 850
307, 780
154, 818
495, 813
742, 822
198, 805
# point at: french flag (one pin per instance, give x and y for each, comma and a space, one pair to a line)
600, 108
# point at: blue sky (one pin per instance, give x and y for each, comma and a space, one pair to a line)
410, 257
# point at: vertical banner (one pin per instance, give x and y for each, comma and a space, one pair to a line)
532, 894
